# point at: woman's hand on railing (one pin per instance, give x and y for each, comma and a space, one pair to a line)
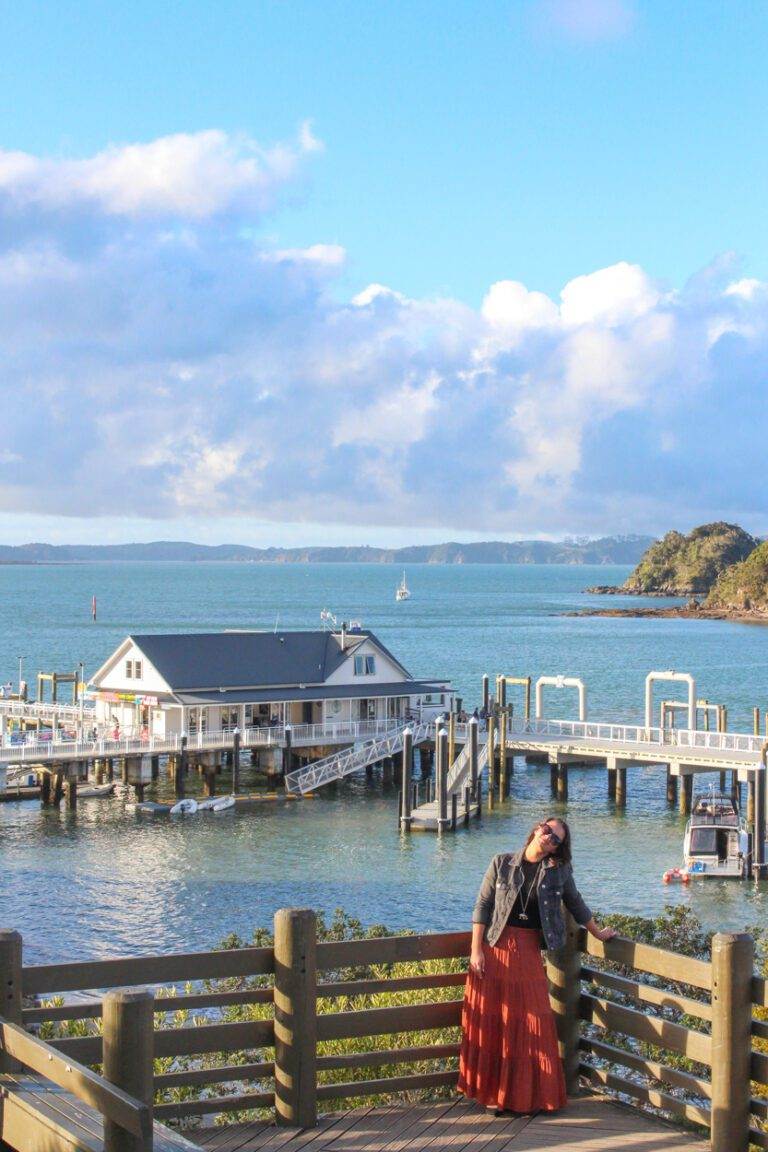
606, 933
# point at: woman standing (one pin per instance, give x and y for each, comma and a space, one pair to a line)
509, 1056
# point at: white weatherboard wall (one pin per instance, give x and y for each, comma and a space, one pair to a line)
114, 678
387, 672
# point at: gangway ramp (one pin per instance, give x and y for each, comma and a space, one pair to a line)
425, 817
349, 760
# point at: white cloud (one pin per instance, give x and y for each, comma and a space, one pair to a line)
186, 369
610, 296
187, 175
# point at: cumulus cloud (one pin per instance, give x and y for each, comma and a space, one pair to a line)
190, 175
175, 365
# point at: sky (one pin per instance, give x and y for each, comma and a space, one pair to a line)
299, 273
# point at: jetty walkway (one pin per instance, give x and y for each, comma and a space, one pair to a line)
370, 1027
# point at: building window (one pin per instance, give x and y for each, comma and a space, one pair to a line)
129, 669
365, 665
137, 669
247, 715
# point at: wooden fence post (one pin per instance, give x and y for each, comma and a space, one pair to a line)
733, 956
564, 975
10, 987
295, 1018
129, 1048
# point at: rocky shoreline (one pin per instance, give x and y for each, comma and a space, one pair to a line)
680, 612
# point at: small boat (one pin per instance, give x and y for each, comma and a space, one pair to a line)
184, 808
93, 791
149, 808
402, 592
209, 804
716, 842
224, 804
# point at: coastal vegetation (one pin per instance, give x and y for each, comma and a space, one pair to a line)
744, 586
679, 565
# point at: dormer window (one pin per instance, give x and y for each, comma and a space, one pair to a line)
129, 669
365, 665
137, 669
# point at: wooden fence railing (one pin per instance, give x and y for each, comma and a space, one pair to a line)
304, 1023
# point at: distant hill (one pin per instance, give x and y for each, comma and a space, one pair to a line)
606, 550
679, 565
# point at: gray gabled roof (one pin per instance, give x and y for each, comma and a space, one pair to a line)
201, 660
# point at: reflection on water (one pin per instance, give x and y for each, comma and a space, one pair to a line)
104, 882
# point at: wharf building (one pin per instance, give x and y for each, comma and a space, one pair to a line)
184, 684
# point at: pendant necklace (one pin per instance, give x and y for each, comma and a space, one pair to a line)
523, 914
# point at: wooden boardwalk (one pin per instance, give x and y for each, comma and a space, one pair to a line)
590, 1123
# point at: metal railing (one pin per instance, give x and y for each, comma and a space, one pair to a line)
638, 734
342, 764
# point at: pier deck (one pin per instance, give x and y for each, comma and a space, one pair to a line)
590, 1123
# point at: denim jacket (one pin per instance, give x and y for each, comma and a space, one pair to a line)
555, 887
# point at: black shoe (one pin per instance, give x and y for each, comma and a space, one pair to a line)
491, 1110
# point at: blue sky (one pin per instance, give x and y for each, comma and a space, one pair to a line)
438, 150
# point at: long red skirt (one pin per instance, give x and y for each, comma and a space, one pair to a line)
509, 1057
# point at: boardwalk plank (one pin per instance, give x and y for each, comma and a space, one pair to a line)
589, 1124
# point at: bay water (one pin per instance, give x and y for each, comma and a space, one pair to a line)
105, 882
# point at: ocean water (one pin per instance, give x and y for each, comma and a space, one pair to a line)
104, 882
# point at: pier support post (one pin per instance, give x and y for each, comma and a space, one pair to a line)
236, 761
671, 788
295, 1018
621, 784
71, 787
473, 757
610, 765
553, 778
685, 794
486, 696
562, 779
491, 761
503, 752
10, 988
45, 790
209, 780
451, 739
154, 762
406, 781
443, 821
751, 799
758, 834
732, 964
180, 768
564, 976
58, 787
129, 1044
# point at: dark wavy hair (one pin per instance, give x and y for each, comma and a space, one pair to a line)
563, 853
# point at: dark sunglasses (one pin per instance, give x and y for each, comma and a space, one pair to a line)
553, 836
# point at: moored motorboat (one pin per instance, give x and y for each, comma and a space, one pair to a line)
716, 842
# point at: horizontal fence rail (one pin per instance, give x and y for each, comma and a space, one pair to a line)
306, 1022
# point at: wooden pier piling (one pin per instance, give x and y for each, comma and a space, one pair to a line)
406, 781
236, 762
442, 780
503, 789
491, 762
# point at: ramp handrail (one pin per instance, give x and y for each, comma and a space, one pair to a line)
350, 760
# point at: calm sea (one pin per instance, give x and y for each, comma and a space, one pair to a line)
105, 882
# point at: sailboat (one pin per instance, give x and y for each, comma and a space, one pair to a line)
402, 592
